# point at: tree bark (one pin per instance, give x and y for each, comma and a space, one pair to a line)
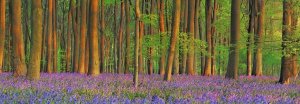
102, 38
83, 32
191, 32
258, 39
93, 39
2, 32
162, 32
137, 43
120, 39
18, 43
36, 48
233, 62
175, 32
208, 59
127, 23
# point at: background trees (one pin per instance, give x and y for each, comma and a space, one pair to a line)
92, 37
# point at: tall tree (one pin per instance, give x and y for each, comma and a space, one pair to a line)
287, 60
18, 43
137, 43
2, 31
36, 48
250, 35
93, 39
120, 38
54, 24
175, 32
162, 32
50, 38
233, 62
102, 37
191, 32
127, 26
83, 32
257, 65
208, 63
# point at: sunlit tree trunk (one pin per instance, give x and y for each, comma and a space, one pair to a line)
250, 36
191, 32
258, 39
2, 31
137, 43
54, 37
18, 43
162, 61
233, 61
93, 39
36, 48
175, 32
208, 63
213, 38
50, 41
83, 32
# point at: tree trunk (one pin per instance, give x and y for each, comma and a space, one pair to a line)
18, 43
137, 43
54, 38
127, 26
287, 61
50, 41
175, 32
191, 32
250, 36
258, 39
93, 39
102, 38
120, 38
36, 48
233, 62
2, 32
83, 32
163, 34
208, 59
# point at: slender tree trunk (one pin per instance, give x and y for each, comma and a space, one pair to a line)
137, 43
93, 39
151, 32
69, 39
2, 32
127, 23
208, 58
250, 36
102, 38
50, 41
120, 38
54, 38
175, 32
233, 62
162, 32
18, 43
191, 28
83, 32
76, 36
258, 39
36, 48
213, 38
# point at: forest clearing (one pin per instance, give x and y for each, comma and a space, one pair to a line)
149, 51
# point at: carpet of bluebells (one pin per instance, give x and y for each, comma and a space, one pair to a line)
118, 89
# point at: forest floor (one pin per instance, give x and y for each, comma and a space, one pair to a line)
112, 88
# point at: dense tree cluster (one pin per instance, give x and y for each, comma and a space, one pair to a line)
166, 37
